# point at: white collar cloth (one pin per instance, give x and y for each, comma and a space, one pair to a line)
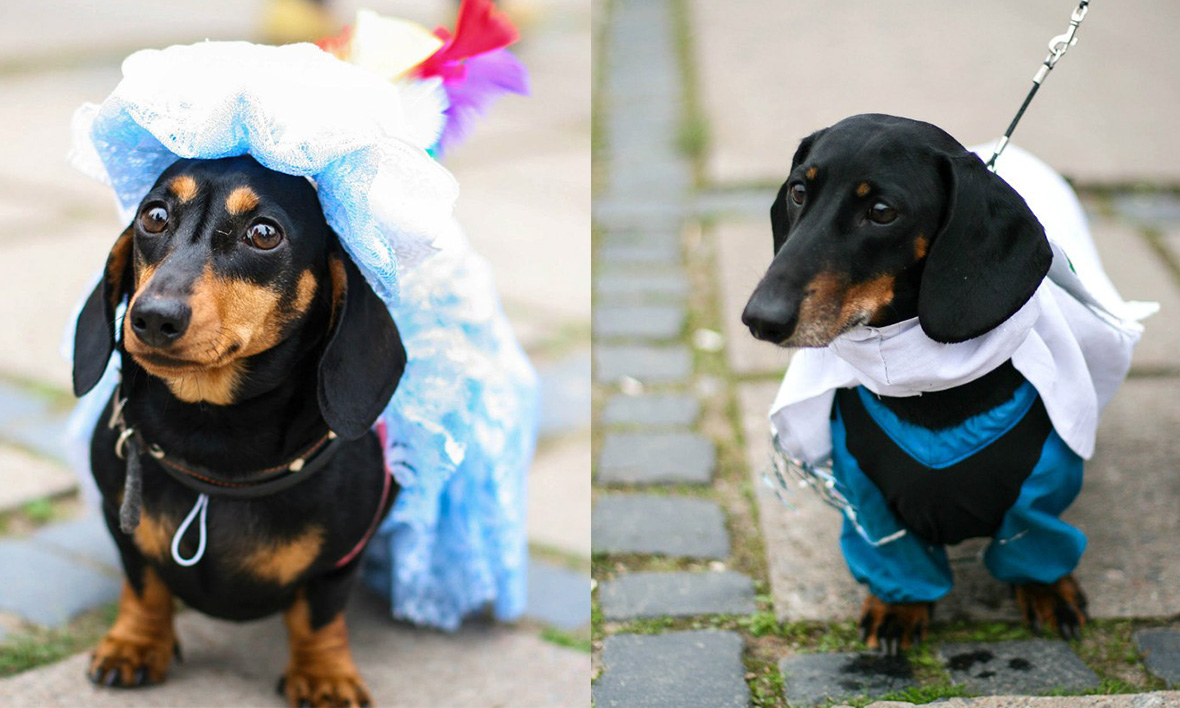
1072, 340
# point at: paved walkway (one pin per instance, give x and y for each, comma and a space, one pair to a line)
710, 590
526, 183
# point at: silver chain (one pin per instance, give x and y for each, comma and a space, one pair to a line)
1058, 46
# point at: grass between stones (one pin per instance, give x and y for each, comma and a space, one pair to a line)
31, 647
692, 138
37, 513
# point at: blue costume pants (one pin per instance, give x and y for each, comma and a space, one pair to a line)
1030, 545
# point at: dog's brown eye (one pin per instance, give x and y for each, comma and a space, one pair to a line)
264, 236
882, 213
798, 193
154, 219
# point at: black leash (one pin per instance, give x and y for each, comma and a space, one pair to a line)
1058, 46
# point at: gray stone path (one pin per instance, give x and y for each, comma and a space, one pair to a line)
815, 679
1028, 667
1161, 653
656, 457
678, 527
237, 664
641, 284
672, 670
642, 594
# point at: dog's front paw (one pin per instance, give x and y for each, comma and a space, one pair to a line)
1060, 606
130, 662
334, 686
894, 627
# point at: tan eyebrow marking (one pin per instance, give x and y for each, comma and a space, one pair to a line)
921, 245
241, 200
862, 189
184, 187
811, 172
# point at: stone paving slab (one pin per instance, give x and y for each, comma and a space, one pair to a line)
620, 211
648, 287
49, 589
656, 458
237, 664
1034, 666
814, 679
558, 596
1157, 209
644, 254
1161, 653
31, 335
1127, 509
657, 409
87, 538
645, 594
638, 322
1158, 699
24, 477
670, 526
649, 364
1089, 120
744, 252
565, 393
702, 668
1140, 274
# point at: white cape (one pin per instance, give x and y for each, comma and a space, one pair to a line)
1072, 340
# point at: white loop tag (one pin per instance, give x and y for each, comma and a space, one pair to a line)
201, 506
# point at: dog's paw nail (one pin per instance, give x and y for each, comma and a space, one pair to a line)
176, 652
304, 703
95, 675
281, 685
140, 677
112, 678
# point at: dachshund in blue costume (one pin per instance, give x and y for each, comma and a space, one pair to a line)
889, 227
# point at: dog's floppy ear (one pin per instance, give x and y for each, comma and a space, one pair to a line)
94, 334
779, 222
987, 259
364, 358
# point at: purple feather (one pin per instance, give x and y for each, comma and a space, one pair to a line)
485, 77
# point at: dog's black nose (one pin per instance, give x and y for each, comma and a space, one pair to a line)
160, 321
769, 321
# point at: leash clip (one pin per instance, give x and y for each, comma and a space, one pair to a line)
122, 441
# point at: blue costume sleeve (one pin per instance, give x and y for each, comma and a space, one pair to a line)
896, 565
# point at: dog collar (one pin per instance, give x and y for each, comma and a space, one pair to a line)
202, 480
130, 444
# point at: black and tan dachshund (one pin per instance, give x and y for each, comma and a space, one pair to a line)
882, 220
255, 359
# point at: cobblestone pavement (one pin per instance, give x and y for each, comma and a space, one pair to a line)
706, 584
525, 176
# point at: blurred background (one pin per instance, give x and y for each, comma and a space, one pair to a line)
525, 204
